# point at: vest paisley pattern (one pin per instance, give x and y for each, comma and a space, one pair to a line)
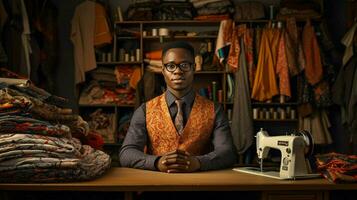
196, 135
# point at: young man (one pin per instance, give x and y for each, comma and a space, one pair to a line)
183, 132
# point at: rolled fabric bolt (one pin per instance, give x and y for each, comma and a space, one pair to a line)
126, 57
154, 32
255, 113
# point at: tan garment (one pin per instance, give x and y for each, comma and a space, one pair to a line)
265, 87
82, 35
163, 136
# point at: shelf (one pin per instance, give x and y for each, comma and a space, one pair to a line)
181, 37
274, 104
105, 105
128, 38
119, 63
209, 72
275, 120
185, 22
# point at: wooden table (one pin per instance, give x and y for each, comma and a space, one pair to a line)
130, 180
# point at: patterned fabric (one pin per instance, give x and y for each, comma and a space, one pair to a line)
36, 158
282, 68
179, 116
338, 167
195, 137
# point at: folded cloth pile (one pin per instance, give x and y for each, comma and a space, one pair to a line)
37, 142
338, 167
213, 9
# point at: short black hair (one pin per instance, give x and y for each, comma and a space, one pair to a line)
178, 44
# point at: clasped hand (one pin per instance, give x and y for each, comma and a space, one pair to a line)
178, 161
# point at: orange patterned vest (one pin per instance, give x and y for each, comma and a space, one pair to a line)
196, 135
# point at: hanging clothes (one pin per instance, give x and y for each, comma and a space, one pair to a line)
242, 119
249, 54
224, 39
318, 125
313, 69
234, 50
265, 87
82, 36
282, 69
347, 40
294, 51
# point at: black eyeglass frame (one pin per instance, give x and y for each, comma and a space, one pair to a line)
179, 66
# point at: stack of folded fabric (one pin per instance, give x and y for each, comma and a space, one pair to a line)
37, 139
153, 61
213, 9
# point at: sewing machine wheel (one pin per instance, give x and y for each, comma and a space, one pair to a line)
309, 141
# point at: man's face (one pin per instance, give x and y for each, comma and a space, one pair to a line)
178, 79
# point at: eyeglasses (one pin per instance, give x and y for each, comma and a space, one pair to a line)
184, 66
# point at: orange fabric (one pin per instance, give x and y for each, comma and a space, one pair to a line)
163, 135
135, 77
274, 38
212, 17
264, 87
234, 50
313, 70
102, 34
155, 55
282, 68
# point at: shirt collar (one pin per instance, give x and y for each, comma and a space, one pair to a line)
188, 98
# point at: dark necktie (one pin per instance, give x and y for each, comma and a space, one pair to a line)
179, 116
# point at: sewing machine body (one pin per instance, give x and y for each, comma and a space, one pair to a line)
293, 163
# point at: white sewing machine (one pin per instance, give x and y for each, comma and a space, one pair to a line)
293, 149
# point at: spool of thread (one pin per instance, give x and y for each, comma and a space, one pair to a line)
145, 33
126, 57
198, 62
103, 57
220, 96
154, 32
214, 90
121, 54
271, 110
271, 11
288, 111
132, 58
163, 32
267, 114
229, 113
282, 114
255, 113
261, 114
109, 57
282, 99
209, 46
137, 53
293, 114
275, 115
